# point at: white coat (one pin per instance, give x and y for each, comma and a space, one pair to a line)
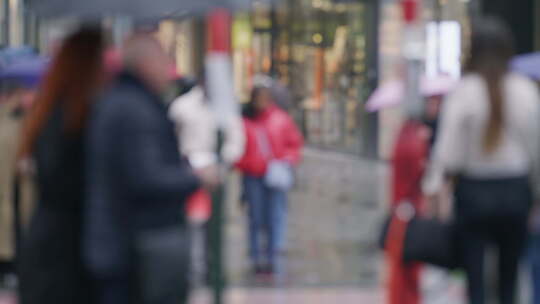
197, 128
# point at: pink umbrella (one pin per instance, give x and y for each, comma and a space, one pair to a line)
391, 93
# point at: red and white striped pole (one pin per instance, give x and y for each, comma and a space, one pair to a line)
413, 53
219, 31
410, 11
219, 73
220, 91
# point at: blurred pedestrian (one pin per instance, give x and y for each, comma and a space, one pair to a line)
51, 269
197, 130
283, 99
431, 116
534, 254
408, 166
436, 191
273, 149
137, 245
488, 144
534, 251
15, 97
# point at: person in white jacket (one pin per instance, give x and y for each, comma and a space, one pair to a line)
197, 129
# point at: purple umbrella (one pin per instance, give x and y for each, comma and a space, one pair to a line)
528, 64
26, 72
9, 56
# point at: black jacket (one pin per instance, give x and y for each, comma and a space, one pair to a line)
51, 266
136, 179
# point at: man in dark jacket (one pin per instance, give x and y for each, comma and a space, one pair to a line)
137, 184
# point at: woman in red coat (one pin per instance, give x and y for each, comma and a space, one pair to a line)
409, 159
271, 135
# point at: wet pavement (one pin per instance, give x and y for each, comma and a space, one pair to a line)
334, 216
295, 296
334, 220
331, 256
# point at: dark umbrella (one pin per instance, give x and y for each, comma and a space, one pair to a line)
133, 8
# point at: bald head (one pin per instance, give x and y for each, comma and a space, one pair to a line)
144, 55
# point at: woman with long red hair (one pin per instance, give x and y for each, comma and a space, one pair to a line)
51, 268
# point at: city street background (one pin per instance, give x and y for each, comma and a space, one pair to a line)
335, 215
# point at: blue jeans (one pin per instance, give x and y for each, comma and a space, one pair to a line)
266, 220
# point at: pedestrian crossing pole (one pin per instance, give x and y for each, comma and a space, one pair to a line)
220, 89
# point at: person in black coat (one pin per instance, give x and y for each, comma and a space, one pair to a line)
137, 182
51, 268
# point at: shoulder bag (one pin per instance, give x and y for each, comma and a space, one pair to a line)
419, 239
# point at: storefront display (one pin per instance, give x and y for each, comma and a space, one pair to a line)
447, 32
328, 71
242, 36
180, 42
318, 49
443, 49
252, 47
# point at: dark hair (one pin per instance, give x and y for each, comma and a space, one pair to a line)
73, 79
492, 47
250, 109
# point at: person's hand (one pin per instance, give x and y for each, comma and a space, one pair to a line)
445, 202
431, 204
209, 176
26, 166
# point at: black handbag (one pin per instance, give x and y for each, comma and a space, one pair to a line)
426, 240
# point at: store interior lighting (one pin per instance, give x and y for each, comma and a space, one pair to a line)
317, 38
443, 49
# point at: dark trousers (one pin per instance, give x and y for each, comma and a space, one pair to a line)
508, 237
492, 212
534, 260
124, 290
115, 291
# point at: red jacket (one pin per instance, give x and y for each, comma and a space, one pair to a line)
410, 156
409, 160
283, 136
253, 162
